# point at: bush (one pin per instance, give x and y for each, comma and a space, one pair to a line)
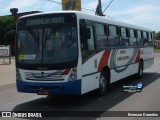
7, 23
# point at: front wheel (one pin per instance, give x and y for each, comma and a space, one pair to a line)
103, 83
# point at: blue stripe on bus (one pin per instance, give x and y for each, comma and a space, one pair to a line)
72, 87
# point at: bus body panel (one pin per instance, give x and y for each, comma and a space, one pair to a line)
88, 75
129, 62
131, 70
122, 62
90, 83
72, 87
147, 54
90, 79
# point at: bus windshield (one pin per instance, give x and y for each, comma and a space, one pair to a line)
47, 45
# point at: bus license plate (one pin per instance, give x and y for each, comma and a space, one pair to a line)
42, 92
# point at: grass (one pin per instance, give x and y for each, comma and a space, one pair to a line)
156, 49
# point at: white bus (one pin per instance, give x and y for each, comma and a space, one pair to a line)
72, 52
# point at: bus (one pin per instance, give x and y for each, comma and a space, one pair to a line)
73, 53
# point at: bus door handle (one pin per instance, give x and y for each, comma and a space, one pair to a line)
95, 63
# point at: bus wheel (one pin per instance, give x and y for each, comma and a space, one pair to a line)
140, 70
50, 96
102, 84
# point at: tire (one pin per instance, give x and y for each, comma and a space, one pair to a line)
140, 70
50, 96
103, 83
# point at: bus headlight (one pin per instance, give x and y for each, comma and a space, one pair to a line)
73, 75
18, 75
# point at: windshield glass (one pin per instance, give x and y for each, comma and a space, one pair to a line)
59, 45
47, 45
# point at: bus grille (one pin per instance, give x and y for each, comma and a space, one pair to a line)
43, 77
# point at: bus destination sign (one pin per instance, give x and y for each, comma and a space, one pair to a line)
41, 21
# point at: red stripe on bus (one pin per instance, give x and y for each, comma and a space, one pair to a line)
104, 60
66, 72
138, 56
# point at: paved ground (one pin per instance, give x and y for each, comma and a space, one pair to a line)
7, 73
114, 100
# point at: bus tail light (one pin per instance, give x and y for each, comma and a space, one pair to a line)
18, 75
73, 75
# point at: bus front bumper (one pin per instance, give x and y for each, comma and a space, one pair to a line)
72, 87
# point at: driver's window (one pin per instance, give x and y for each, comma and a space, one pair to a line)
90, 42
88, 46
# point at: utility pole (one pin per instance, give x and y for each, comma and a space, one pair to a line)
99, 9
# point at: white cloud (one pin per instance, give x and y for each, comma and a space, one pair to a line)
144, 15
90, 5
147, 9
20, 4
29, 5
51, 6
46, 6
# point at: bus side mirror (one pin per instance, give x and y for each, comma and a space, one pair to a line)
88, 33
84, 31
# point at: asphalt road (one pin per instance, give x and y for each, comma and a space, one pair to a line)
114, 100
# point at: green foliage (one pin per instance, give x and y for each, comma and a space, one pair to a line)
158, 36
7, 23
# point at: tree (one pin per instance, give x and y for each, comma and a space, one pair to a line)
7, 37
99, 9
157, 37
7, 23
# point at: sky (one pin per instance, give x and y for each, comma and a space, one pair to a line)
145, 13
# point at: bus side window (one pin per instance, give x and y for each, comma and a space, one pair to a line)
101, 34
145, 40
124, 37
132, 38
139, 38
113, 37
150, 39
88, 46
90, 42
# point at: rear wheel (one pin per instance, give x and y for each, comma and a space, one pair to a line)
140, 70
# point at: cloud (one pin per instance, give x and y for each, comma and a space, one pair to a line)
90, 5
45, 5
29, 5
147, 9
51, 6
143, 15
20, 4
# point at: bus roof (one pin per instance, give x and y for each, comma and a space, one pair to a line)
87, 16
